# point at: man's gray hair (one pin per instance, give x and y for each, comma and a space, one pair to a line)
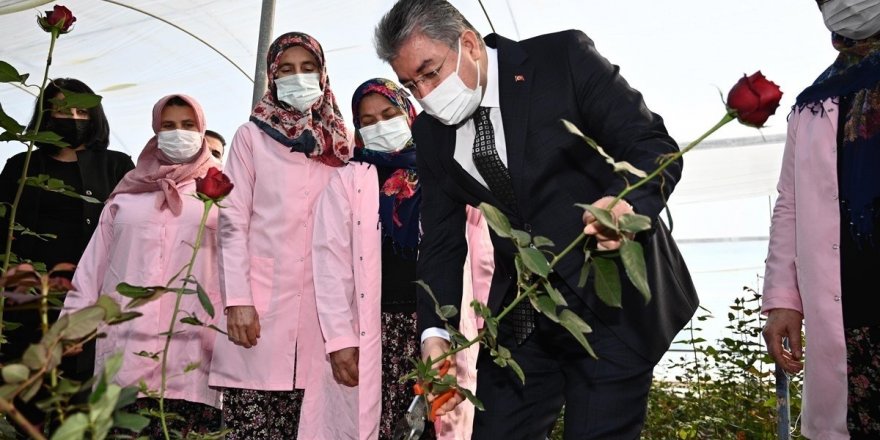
435, 19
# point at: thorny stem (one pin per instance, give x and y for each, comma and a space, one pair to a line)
168, 336
27, 159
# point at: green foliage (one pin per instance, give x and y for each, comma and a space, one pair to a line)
725, 390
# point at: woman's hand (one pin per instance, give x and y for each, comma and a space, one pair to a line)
243, 325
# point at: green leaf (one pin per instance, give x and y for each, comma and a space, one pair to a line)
517, 369
123, 317
129, 421
430, 293
603, 216
497, 221
554, 293
127, 396
101, 412
8, 123
112, 365
31, 390
44, 137
191, 320
9, 74
578, 328
76, 100
148, 354
585, 274
7, 390
632, 255
73, 428
112, 310
540, 241
634, 223
545, 305
191, 366
2, 210
35, 356
448, 311
607, 281
131, 291
205, 300
521, 238
492, 326
534, 260
618, 166
472, 398
83, 322
15, 373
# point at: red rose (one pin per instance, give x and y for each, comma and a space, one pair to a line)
753, 99
59, 18
215, 185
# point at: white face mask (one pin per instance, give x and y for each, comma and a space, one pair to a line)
387, 136
300, 91
854, 19
452, 101
180, 146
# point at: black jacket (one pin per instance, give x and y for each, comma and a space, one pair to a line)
100, 171
543, 80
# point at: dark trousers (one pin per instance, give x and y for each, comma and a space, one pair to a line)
604, 398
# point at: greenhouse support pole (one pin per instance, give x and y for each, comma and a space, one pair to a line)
267, 22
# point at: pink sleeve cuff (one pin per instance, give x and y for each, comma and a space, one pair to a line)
341, 342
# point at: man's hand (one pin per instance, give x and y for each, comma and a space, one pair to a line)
784, 323
435, 348
345, 366
606, 239
243, 325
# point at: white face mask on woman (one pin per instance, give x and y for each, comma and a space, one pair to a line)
300, 91
452, 101
180, 146
386, 136
854, 19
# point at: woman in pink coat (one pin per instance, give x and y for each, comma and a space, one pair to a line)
142, 239
825, 235
280, 162
366, 244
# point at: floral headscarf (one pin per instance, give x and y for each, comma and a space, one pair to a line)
320, 132
854, 76
401, 195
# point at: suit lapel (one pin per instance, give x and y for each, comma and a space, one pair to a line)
446, 138
514, 83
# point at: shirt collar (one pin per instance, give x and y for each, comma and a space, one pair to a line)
491, 96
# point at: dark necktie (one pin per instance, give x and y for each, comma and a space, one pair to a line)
489, 163
497, 178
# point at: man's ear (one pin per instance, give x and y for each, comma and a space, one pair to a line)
471, 44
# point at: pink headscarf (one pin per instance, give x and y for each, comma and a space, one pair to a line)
154, 172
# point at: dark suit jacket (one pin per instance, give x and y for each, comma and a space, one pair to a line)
542, 81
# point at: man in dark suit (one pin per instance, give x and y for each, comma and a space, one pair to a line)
491, 131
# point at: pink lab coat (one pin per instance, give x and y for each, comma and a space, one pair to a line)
265, 242
347, 243
140, 245
803, 265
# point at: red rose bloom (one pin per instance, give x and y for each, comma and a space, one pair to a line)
59, 18
215, 185
753, 99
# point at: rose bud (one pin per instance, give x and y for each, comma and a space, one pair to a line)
753, 99
215, 185
59, 18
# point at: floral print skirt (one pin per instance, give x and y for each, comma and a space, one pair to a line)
400, 342
863, 377
261, 415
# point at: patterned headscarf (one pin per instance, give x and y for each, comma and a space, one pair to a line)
320, 132
855, 75
156, 173
401, 195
